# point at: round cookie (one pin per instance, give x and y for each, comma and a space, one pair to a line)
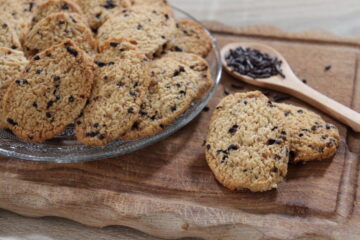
151, 29
50, 94
97, 11
311, 138
121, 78
57, 28
190, 37
246, 147
157, 5
8, 35
55, 6
177, 80
20, 13
12, 63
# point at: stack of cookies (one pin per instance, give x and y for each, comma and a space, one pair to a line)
116, 69
251, 140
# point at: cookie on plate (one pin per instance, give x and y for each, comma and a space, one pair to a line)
50, 94
190, 37
8, 35
153, 5
177, 80
55, 6
311, 138
97, 11
20, 13
122, 79
57, 28
12, 63
246, 147
151, 29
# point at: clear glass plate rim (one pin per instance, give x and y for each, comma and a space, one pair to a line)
143, 143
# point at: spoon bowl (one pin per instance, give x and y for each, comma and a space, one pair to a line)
292, 85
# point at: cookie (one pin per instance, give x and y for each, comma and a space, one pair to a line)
12, 63
50, 7
157, 5
190, 37
246, 147
50, 94
8, 35
177, 80
20, 13
151, 29
311, 138
97, 11
121, 79
57, 28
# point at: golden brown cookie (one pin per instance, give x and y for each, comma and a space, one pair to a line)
246, 147
311, 138
57, 28
178, 79
50, 94
12, 63
191, 37
55, 6
122, 79
151, 29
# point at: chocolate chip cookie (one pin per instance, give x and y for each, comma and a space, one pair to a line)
247, 147
122, 78
50, 94
57, 28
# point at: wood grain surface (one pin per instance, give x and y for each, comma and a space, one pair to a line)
168, 191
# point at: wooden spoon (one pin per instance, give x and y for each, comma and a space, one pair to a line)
292, 85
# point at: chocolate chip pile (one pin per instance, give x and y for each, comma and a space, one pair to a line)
253, 63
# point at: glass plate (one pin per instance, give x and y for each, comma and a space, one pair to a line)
65, 148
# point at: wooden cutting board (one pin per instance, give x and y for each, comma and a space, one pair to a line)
167, 190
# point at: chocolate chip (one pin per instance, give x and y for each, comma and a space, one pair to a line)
135, 125
102, 137
273, 141
301, 135
131, 110
313, 128
78, 122
50, 104
96, 125
71, 99
38, 71
139, 27
287, 114
304, 81
98, 15
48, 115
283, 133
327, 68
226, 91
61, 22
12, 122
120, 84
37, 57
17, 82
24, 81
72, 51
233, 147
206, 109
114, 44
4, 26
178, 49
300, 111
100, 64
65, 7
233, 129
182, 92
92, 134
109, 4
274, 128
56, 78
111, 63
208, 147
173, 108
132, 93
166, 16
34, 105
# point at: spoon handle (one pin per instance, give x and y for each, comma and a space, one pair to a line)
333, 108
